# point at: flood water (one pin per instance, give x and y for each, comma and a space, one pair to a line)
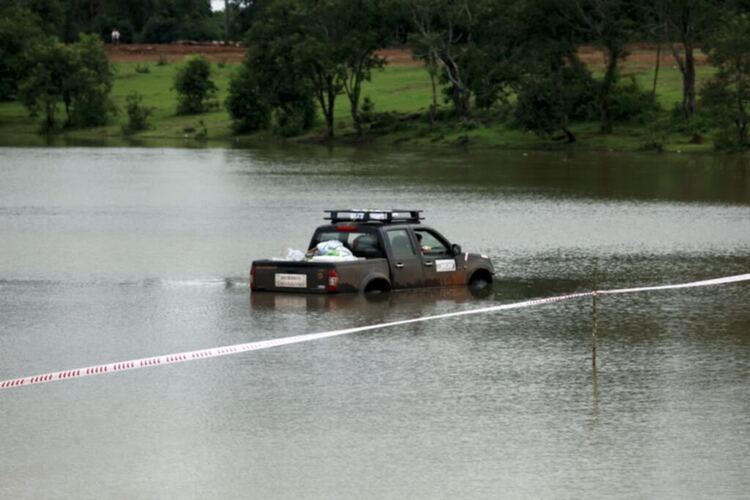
111, 254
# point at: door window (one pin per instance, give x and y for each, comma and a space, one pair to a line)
430, 244
401, 244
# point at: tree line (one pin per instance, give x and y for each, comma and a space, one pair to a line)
511, 60
149, 21
519, 58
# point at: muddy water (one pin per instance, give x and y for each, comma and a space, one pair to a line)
112, 254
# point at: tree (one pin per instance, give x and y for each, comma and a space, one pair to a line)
194, 85
688, 22
550, 98
494, 58
443, 28
361, 18
138, 114
77, 76
275, 80
86, 92
299, 50
247, 102
607, 25
552, 84
727, 94
20, 32
42, 90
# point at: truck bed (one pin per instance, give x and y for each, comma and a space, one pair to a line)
315, 277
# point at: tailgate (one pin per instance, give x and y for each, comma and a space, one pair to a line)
290, 276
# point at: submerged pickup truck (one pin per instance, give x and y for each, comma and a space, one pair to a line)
390, 249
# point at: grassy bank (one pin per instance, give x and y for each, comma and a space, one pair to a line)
400, 93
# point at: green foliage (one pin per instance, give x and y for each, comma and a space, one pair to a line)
47, 14
368, 110
726, 97
294, 118
194, 86
160, 29
501, 44
313, 50
200, 28
142, 69
443, 30
43, 88
246, 103
548, 103
78, 77
87, 100
138, 114
20, 32
629, 102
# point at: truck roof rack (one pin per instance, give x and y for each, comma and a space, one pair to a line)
390, 216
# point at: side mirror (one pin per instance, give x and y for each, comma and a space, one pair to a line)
456, 249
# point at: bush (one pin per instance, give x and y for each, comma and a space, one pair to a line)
725, 139
367, 111
138, 114
700, 123
194, 86
549, 102
628, 102
144, 69
246, 105
294, 118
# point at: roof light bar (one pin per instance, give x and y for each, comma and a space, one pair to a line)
374, 215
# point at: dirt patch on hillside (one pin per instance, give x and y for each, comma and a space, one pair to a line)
216, 52
641, 56
137, 52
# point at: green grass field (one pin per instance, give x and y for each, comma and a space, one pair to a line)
403, 90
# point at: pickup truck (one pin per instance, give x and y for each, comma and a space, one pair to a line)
391, 250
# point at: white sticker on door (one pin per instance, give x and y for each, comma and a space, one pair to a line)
445, 265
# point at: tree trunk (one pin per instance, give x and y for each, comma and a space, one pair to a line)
688, 83
687, 68
610, 76
569, 137
326, 99
329, 114
432, 69
50, 111
226, 21
656, 67
356, 118
353, 88
459, 94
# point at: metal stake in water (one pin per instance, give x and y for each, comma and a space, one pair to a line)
594, 331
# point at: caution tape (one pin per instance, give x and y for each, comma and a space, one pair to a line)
183, 357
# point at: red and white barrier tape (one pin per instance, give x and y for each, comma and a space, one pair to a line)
216, 352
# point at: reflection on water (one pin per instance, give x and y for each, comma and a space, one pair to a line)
114, 254
412, 300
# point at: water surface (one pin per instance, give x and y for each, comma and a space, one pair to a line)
112, 254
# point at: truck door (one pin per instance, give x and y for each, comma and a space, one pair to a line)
405, 263
441, 267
